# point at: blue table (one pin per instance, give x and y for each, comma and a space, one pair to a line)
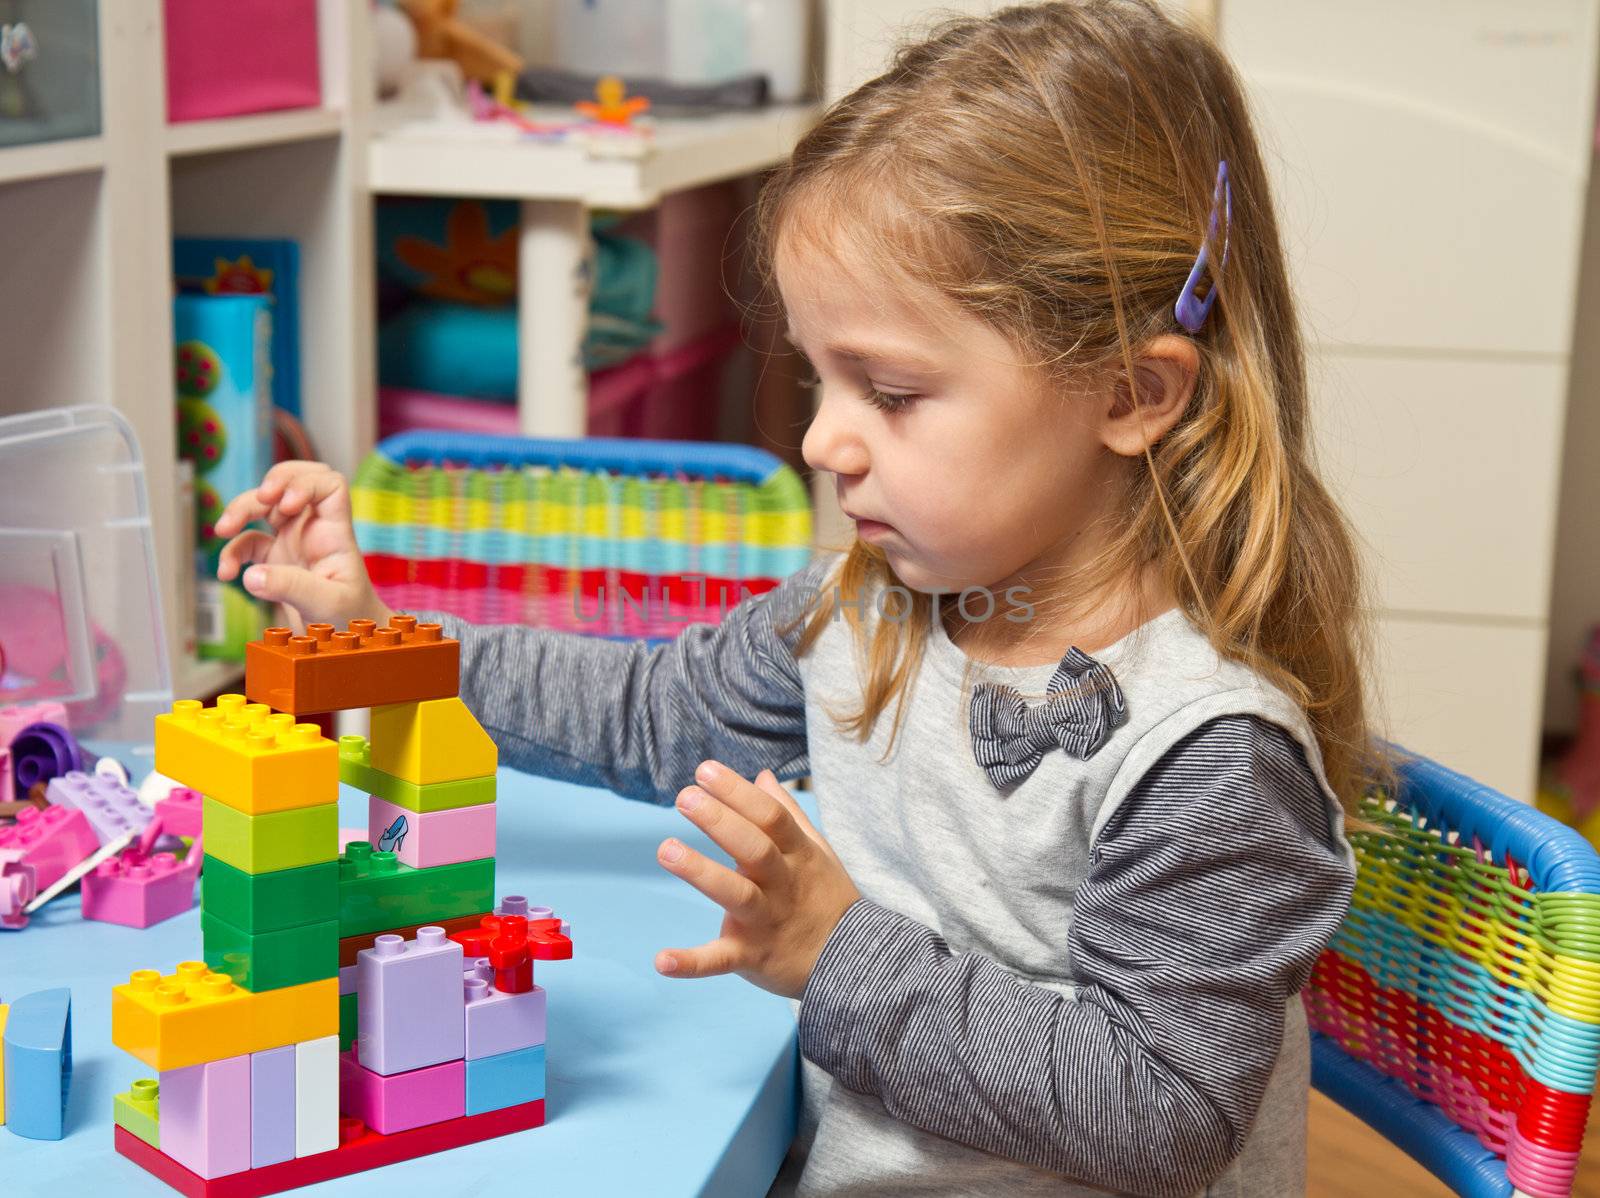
654, 1086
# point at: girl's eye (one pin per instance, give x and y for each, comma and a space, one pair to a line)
814, 381
888, 403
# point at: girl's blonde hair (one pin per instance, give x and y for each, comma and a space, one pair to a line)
1050, 168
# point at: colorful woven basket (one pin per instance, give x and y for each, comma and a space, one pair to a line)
1457, 1010
610, 537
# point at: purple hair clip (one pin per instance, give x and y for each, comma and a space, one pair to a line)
1192, 308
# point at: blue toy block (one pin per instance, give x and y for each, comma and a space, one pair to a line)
272, 1106
112, 808
38, 1063
410, 1013
505, 1080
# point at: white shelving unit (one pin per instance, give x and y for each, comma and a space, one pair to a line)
87, 230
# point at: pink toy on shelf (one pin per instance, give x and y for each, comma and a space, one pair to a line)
138, 889
180, 811
16, 890
52, 841
15, 718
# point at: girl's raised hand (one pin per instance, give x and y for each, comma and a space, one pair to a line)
784, 900
310, 560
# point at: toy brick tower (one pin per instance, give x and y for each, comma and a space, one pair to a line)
354, 1009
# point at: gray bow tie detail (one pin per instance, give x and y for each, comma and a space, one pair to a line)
1009, 737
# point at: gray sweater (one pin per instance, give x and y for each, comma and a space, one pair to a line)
1081, 981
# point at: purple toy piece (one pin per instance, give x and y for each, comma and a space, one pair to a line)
409, 1014
16, 890
513, 904
272, 1106
498, 1022
41, 752
112, 808
204, 1108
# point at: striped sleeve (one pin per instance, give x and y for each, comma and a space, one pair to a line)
1211, 893
638, 719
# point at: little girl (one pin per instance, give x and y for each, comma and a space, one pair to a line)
1050, 936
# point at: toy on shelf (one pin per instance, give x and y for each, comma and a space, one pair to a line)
335, 1022
609, 107
36, 1042
442, 34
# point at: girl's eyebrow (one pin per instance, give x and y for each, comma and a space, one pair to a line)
902, 356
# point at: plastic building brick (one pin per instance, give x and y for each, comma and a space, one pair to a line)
195, 1015
43, 751
349, 1021
350, 946
52, 841
356, 769
271, 1106
246, 756
111, 807
511, 957
510, 1079
138, 1109
363, 666
137, 891
270, 902
205, 1110
409, 1016
16, 890
316, 1096
376, 891
498, 1022
433, 741
347, 980
545, 940
402, 1101
359, 1149
425, 839
38, 1063
264, 844
15, 717
180, 811
271, 960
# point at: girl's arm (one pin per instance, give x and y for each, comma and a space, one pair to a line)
1214, 889
634, 719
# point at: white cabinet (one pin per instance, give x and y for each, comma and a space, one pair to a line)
1431, 163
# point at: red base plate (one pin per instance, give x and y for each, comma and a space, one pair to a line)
368, 1151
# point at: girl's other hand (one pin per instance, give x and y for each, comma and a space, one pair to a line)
309, 561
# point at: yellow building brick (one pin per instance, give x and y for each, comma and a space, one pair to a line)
436, 740
246, 755
195, 1015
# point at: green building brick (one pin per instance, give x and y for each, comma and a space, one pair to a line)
271, 960
356, 769
138, 1110
377, 891
347, 1021
262, 844
270, 902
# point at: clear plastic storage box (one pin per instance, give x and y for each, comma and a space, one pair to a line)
80, 608
49, 70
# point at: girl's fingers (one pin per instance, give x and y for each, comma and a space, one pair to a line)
719, 956
252, 545
320, 488
733, 892
768, 781
751, 848
755, 804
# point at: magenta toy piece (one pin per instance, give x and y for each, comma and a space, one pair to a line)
52, 841
112, 808
401, 1101
180, 812
138, 890
16, 890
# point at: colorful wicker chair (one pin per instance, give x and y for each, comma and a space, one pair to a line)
610, 537
1458, 1009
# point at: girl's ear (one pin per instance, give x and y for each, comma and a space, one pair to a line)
1141, 410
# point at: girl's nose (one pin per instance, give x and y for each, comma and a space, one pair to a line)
831, 443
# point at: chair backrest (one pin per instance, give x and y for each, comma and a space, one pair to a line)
1457, 1010
611, 537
